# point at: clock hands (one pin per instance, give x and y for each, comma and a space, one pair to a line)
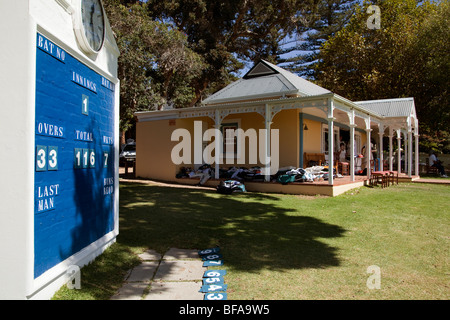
92, 24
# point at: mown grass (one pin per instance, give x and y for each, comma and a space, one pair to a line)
286, 246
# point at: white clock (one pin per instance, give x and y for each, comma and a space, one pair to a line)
89, 25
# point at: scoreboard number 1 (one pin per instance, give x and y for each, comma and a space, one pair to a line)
85, 105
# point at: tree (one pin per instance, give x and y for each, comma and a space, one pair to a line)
155, 64
225, 33
432, 48
406, 57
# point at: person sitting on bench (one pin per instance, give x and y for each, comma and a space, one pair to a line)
435, 162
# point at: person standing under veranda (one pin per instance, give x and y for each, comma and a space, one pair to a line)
342, 153
435, 162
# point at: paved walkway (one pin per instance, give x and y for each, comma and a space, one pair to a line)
177, 275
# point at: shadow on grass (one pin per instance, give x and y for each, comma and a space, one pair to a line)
253, 230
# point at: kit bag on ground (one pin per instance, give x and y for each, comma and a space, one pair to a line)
230, 186
286, 178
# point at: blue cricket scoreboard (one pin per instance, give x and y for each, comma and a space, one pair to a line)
74, 156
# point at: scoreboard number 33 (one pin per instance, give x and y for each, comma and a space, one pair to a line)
46, 158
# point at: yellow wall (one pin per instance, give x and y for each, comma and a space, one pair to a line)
154, 145
312, 138
287, 121
247, 121
153, 150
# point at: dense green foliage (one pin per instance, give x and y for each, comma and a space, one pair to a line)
175, 53
155, 62
406, 57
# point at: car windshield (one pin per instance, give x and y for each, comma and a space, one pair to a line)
129, 148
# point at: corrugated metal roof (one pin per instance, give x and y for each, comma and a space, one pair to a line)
244, 89
402, 107
265, 80
305, 87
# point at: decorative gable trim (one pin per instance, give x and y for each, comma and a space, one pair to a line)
258, 70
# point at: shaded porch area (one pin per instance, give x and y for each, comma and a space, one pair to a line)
321, 187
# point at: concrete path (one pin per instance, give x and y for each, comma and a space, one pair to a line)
177, 275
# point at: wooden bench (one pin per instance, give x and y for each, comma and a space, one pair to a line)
317, 158
430, 169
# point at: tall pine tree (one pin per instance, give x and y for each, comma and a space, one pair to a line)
319, 22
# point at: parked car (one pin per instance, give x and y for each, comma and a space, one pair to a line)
128, 154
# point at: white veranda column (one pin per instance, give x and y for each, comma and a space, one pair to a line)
381, 156
268, 118
352, 152
368, 147
217, 146
409, 153
405, 152
399, 153
391, 165
416, 145
351, 117
330, 142
416, 160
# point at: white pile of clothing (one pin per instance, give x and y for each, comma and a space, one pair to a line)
310, 174
242, 173
205, 172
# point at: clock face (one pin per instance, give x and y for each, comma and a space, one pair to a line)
93, 23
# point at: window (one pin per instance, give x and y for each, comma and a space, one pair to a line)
357, 143
325, 138
230, 140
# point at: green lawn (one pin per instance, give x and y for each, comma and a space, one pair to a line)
286, 246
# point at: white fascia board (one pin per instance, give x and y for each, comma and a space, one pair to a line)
250, 97
272, 102
175, 113
385, 100
354, 105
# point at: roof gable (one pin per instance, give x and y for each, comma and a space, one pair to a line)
304, 87
258, 70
